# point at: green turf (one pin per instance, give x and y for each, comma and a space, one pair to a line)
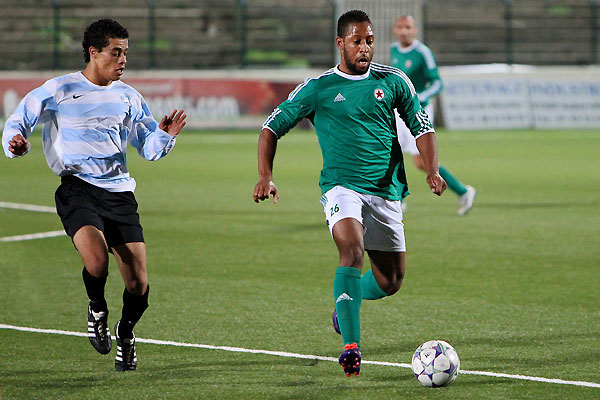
513, 285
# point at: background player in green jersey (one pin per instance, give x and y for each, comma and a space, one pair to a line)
417, 61
363, 179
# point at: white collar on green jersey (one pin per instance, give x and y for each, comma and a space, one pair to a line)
353, 77
412, 46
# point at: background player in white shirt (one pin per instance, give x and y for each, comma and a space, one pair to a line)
416, 60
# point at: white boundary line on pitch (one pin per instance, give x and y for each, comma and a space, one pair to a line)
32, 236
28, 207
304, 356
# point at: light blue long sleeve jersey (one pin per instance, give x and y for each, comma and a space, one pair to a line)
86, 129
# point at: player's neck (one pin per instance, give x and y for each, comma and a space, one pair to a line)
94, 76
407, 44
342, 67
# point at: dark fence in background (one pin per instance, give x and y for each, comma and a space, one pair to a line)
209, 34
536, 32
170, 34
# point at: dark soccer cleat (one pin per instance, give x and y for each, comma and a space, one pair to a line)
334, 321
98, 331
350, 359
126, 359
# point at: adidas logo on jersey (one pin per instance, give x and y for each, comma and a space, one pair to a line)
339, 97
343, 296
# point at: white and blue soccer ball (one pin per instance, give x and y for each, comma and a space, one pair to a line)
435, 363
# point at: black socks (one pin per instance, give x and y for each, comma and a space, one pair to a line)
95, 290
133, 308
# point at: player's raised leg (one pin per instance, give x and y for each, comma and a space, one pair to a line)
348, 237
92, 248
386, 274
386, 246
131, 258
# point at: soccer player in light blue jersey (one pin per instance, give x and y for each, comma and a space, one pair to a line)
362, 181
89, 118
416, 60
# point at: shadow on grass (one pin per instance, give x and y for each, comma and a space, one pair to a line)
486, 381
228, 376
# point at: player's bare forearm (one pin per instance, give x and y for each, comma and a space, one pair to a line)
427, 146
267, 146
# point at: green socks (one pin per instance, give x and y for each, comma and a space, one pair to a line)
453, 183
369, 288
349, 289
347, 297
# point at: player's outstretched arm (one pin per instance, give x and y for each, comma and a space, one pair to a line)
427, 146
267, 145
174, 123
18, 145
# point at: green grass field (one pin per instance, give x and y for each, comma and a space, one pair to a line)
513, 285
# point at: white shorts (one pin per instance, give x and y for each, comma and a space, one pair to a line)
380, 218
406, 139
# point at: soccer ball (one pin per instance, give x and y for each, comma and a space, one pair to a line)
435, 363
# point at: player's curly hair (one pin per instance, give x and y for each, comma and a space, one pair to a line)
99, 33
351, 17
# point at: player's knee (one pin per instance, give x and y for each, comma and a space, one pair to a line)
352, 256
393, 286
96, 263
137, 286
393, 283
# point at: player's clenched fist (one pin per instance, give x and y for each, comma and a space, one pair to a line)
263, 189
18, 145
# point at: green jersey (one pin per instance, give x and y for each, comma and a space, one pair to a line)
355, 124
418, 63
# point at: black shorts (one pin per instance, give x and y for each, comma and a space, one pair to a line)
79, 203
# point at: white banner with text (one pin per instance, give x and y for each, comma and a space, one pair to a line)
520, 97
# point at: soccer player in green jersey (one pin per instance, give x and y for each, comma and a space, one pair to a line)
362, 180
416, 60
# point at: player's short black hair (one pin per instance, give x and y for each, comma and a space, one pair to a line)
99, 33
351, 17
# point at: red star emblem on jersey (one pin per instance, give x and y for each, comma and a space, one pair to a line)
379, 94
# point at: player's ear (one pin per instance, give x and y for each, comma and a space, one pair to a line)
93, 51
339, 42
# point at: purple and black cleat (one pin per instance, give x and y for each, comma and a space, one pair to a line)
350, 359
336, 325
